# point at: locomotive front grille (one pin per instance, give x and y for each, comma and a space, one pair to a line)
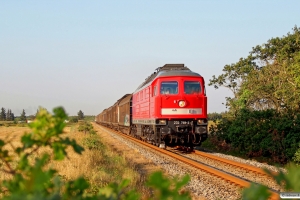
201, 129
183, 126
178, 126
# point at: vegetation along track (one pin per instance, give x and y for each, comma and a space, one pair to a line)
216, 169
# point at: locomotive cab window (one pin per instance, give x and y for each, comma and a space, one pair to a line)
169, 87
192, 87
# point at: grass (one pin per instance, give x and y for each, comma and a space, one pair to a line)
7, 123
99, 164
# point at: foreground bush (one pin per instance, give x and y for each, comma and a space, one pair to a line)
289, 181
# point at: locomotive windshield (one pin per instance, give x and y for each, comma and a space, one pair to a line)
169, 87
192, 87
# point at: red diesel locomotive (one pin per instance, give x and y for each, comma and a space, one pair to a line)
168, 108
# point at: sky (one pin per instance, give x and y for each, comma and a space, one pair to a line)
85, 55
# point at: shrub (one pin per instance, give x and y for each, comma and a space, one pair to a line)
86, 127
261, 133
73, 119
93, 142
296, 157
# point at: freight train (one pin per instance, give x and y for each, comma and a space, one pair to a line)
168, 109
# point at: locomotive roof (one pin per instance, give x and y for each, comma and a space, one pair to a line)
169, 70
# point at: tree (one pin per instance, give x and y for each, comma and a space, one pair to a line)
215, 116
263, 117
8, 115
2, 114
267, 79
80, 115
23, 116
12, 116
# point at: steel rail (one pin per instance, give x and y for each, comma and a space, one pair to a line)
240, 182
237, 164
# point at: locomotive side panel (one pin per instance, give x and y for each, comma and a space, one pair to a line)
144, 103
153, 97
141, 106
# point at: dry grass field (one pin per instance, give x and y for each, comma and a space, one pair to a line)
12, 131
12, 134
108, 162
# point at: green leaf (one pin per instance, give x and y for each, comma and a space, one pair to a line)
2, 143
27, 141
257, 192
168, 188
59, 151
76, 188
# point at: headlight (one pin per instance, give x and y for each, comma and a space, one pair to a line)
181, 103
162, 122
201, 121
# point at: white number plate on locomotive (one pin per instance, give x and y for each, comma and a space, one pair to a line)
182, 122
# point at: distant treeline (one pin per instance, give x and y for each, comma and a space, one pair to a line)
75, 118
215, 116
6, 115
10, 116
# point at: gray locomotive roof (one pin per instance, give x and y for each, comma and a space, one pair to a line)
169, 70
177, 73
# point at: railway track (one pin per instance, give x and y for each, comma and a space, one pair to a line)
229, 177
234, 163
